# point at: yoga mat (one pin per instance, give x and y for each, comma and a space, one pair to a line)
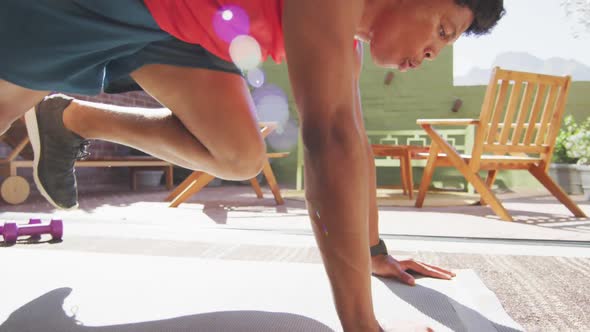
62, 291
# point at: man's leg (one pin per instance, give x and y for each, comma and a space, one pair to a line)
210, 125
14, 102
215, 127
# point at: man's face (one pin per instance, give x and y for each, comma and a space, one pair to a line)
415, 31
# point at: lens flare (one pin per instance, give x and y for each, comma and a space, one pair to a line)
285, 138
227, 15
271, 104
255, 77
245, 52
230, 22
268, 90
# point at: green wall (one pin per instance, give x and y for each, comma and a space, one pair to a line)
424, 93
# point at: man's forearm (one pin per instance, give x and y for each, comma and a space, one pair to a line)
372, 191
336, 185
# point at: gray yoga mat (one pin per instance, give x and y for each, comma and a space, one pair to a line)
65, 291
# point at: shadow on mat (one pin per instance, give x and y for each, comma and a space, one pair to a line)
45, 314
444, 309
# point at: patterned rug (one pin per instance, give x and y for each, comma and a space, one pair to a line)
394, 197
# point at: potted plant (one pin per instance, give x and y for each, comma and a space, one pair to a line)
563, 169
578, 146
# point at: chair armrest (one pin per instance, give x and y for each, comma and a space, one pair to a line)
278, 154
448, 122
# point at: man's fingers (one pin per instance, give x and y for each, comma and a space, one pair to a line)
426, 271
439, 269
407, 278
405, 326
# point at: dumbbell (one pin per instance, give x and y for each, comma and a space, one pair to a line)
36, 237
10, 229
34, 229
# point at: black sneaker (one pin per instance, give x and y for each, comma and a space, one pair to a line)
56, 150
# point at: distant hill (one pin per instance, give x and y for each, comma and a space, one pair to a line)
527, 62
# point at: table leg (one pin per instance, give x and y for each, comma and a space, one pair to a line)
272, 183
133, 174
409, 174
403, 174
169, 177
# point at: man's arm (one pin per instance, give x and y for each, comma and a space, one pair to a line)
372, 181
385, 265
318, 41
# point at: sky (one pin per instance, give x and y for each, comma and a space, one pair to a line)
538, 27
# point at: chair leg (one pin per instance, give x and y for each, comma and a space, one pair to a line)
489, 182
182, 186
485, 192
256, 187
272, 183
540, 174
427, 175
469, 174
192, 189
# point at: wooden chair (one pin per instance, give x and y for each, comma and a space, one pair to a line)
199, 180
520, 118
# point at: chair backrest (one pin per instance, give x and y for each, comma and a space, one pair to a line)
521, 114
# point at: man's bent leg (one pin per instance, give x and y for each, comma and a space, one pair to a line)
209, 123
210, 126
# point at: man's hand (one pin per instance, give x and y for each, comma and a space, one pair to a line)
405, 327
388, 267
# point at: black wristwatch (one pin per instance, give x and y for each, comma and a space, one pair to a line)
379, 249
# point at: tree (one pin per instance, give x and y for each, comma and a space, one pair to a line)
579, 12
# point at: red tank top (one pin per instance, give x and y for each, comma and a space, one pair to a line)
213, 24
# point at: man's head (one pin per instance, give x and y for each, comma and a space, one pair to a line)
404, 33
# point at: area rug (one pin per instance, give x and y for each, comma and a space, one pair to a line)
394, 197
62, 291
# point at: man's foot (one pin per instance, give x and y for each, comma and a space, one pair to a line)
56, 150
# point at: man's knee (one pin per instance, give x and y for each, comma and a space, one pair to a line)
242, 162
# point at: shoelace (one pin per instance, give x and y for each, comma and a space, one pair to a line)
82, 150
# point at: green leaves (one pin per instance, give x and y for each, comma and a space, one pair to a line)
573, 142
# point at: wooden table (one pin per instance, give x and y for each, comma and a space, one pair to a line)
405, 153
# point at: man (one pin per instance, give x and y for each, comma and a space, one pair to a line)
180, 52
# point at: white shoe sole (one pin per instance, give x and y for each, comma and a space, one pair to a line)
33, 132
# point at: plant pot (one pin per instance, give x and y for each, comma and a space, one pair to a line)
149, 178
567, 177
585, 177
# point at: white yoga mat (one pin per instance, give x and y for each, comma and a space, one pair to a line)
58, 291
